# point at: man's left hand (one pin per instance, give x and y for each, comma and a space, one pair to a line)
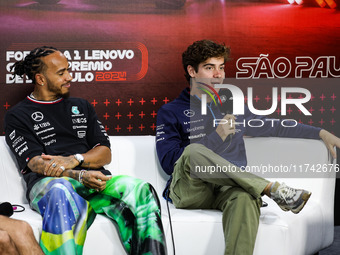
330, 140
57, 163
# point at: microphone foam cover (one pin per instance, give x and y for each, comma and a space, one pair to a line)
6, 209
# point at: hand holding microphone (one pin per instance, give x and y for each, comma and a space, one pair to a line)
227, 126
226, 105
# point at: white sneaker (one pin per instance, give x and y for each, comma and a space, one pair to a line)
289, 198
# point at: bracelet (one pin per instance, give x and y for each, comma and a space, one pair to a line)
81, 176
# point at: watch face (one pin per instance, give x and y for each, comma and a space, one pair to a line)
79, 157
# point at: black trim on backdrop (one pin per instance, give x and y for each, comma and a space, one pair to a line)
337, 195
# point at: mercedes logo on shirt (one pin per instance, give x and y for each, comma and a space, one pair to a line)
37, 116
189, 113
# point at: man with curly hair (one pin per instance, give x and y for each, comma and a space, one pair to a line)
185, 139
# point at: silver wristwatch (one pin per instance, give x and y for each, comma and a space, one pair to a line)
79, 158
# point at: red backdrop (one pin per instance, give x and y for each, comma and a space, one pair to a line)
126, 57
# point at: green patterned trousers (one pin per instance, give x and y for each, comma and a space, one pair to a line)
69, 208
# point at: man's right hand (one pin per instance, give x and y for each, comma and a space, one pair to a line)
225, 129
91, 179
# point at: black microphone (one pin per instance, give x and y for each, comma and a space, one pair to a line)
227, 105
6, 209
227, 101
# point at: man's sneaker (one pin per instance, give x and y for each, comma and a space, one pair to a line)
288, 198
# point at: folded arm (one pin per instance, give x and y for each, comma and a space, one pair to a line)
50, 165
58, 166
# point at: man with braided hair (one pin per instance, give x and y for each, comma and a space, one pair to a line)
61, 148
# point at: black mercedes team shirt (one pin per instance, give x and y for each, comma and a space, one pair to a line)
62, 127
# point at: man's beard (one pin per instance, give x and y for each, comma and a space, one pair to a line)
65, 96
58, 92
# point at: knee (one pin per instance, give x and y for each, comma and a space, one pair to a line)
192, 152
56, 196
4, 238
56, 191
244, 197
243, 200
59, 183
193, 149
21, 229
6, 244
25, 229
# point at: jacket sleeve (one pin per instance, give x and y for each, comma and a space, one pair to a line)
20, 139
212, 141
278, 127
169, 144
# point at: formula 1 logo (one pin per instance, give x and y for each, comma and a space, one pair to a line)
37, 116
91, 62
